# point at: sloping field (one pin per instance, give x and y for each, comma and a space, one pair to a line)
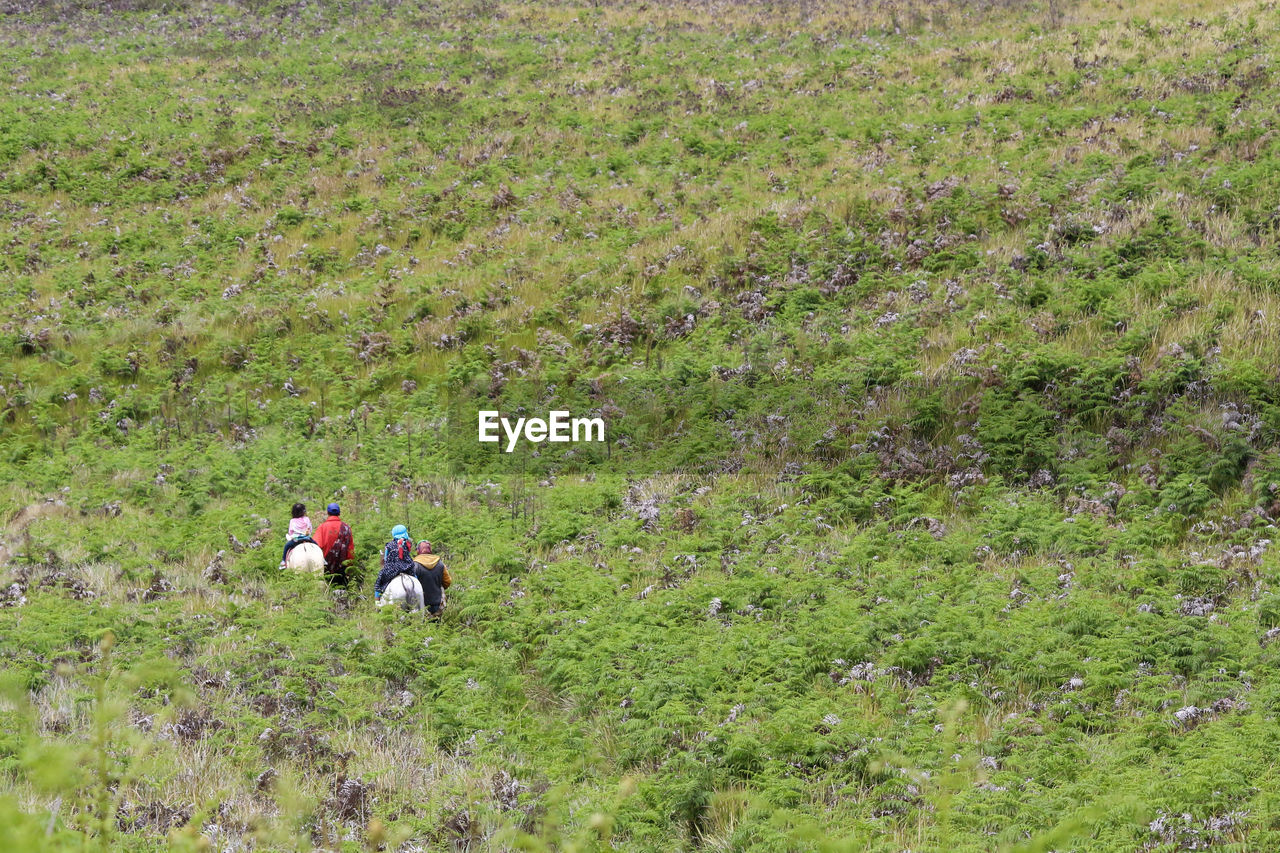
937, 348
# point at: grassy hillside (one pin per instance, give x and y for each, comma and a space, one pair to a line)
937, 345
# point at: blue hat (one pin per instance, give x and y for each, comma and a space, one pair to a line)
399, 532
333, 510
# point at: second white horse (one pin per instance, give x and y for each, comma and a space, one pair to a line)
405, 591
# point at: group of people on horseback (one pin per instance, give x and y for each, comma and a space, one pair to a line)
410, 575
414, 571
328, 547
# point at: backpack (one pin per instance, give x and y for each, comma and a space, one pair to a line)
399, 551
337, 553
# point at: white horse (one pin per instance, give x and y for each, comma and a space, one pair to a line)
306, 557
405, 591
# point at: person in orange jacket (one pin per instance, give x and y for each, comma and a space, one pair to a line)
335, 540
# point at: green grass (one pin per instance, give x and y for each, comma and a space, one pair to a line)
940, 338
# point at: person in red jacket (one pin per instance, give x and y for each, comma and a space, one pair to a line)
335, 540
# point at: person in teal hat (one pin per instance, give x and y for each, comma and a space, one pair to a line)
397, 557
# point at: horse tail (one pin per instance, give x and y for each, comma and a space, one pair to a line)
406, 586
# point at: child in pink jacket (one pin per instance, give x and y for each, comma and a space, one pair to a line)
299, 529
